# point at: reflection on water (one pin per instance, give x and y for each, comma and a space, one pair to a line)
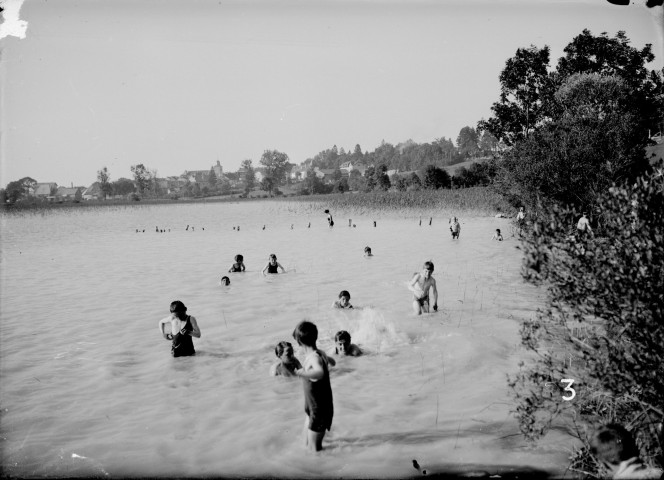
89, 386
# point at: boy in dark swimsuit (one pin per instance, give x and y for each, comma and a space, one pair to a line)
315, 376
183, 327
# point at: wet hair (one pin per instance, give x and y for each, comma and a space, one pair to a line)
344, 293
342, 335
178, 307
612, 443
367, 249
498, 230
272, 255
306, 333
428, 265
225, 280
281, 347
239, 258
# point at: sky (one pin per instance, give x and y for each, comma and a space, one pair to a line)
176, 85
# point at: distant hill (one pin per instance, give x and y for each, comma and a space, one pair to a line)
451, 169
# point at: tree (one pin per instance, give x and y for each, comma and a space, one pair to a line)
615, 57
356, 181
212, 179
248, 175
435, 178
103, 177
382, 181
142, 177
605, 311
468, 142
415, 183
19, 189
123, 186
524, 89
276, 167
488, 143
595, 141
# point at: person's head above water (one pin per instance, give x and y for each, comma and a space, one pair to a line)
178, 308
225, 280
306, 333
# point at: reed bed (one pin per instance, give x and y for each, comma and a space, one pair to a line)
475, 201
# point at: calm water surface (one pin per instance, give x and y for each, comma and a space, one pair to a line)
89, 386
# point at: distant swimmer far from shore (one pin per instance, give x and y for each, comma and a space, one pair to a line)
330, 222
420, 286
183, 327
272, 265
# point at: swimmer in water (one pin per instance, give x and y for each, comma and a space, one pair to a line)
287, 363
272, 265
367, 252
344, 300
238, 266
343, 345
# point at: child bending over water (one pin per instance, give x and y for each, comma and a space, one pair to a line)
315, 375
183, 327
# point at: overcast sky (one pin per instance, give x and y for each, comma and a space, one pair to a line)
179, 85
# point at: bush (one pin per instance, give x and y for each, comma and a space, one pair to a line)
603, 325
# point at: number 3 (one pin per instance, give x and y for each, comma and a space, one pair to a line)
569, 388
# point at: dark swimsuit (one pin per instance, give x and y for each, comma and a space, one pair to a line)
318, 401
272, 268
183, 345
236, 268
423, 300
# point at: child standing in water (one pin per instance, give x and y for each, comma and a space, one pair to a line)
183, 327
272, 265
238, 266
455, 227
497, 236
420, 286
315, 376
329, 218
287, 363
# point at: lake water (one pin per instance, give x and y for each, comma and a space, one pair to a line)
89, 386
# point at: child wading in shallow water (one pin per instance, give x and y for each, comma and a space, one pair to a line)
272, 265
315, 376
287, 363
420, 286
238, 266
183, 327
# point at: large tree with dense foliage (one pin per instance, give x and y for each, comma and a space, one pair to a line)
435, 178
143, 178
468, 142
19, 189
123, 186
603, 325
525, 88
276, 167
595, 141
